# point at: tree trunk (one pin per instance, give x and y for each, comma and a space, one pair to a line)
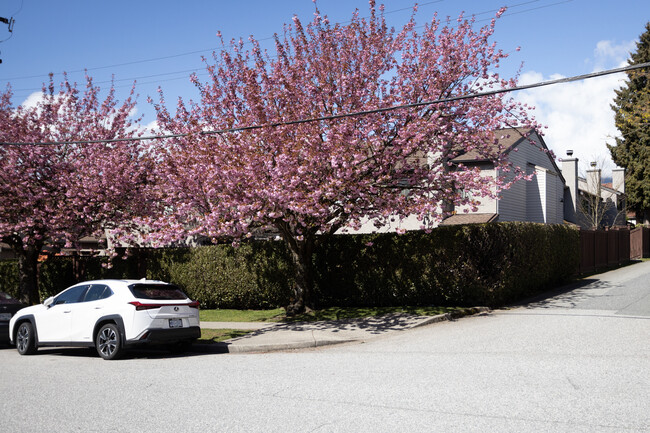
28, 274
301, 254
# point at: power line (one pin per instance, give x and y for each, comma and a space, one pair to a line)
172, 56
353, 114
513, 6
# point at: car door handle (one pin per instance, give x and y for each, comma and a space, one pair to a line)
67, 311
98, 308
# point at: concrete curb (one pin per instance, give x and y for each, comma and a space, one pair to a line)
452, 316
307, 339
277, 347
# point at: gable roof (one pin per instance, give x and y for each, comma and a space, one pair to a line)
469, 218
509, 139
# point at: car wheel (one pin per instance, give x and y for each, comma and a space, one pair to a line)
108, 341
25, 341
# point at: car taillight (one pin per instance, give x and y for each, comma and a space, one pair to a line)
139, 306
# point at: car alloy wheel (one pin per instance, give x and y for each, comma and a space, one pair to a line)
108, 341
25, 341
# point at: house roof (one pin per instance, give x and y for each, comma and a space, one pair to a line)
470, 218
509, 138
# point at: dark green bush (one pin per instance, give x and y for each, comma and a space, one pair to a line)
253, 275
486, 264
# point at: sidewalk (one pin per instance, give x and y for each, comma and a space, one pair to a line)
267, 337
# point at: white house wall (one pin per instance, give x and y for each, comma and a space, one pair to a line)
367, 226
487, 205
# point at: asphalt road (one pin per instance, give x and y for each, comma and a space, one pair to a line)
576, 362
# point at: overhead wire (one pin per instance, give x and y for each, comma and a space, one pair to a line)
516, 5
352, 114
172, 56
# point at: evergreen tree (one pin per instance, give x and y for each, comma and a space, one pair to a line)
632, 117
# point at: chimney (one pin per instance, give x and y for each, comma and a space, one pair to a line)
618, 179
570, 174
594, 185
618, 183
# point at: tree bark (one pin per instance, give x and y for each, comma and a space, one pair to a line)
301, 249
28, 274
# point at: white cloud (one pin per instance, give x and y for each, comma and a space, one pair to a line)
32, 100
153, 127
607, 53
578, 114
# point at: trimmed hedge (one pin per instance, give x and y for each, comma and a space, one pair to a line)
482, 264
487, 264
252, 276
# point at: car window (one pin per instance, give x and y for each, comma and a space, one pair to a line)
157, 291
72, 295
97, 292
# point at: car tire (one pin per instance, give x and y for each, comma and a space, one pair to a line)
108, 342
26, 339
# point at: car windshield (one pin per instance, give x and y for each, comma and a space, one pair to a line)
157, 291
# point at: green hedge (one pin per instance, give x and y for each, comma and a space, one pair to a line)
252, 276
487, 264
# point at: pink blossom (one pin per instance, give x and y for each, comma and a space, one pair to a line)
313, 178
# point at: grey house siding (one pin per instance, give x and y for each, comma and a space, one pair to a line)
540, 199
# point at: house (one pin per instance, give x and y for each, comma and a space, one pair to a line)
589, 202
538, 200
553, 195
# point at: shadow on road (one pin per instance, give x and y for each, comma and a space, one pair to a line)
569, 296
137, 353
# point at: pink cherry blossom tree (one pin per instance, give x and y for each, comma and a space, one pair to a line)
311, 178
54, 194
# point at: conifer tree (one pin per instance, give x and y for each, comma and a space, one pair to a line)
632, 117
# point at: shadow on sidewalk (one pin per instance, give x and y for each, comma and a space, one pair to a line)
371, 325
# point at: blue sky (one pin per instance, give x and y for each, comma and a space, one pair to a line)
158, 43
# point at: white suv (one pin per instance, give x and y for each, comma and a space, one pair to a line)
109, 315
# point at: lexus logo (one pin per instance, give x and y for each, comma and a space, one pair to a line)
175, 308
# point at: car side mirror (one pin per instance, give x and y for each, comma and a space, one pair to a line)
48, 302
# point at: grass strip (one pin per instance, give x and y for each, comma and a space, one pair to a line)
228, 315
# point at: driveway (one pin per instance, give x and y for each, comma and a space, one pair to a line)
575, 362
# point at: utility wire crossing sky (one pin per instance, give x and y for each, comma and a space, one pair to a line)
356, 113
122, 41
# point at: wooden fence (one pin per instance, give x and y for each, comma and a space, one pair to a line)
602, 248
640, 243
